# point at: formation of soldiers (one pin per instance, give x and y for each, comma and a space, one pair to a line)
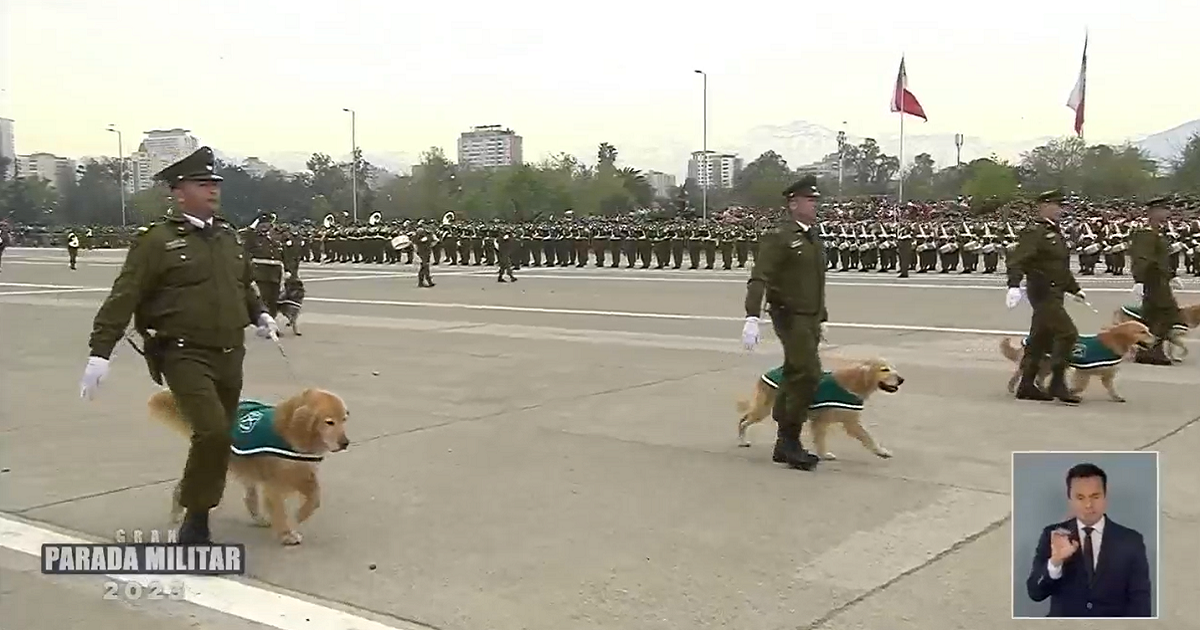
938, 245
945, 246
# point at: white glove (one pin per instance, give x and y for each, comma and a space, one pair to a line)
267, 328
750, 334
1177, 283
1080, 297
1013, 297
95, 372
287, 275
822, 337
1139, 290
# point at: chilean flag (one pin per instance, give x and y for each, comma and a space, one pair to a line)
903, 101
1076, 101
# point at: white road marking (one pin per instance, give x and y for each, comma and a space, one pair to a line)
223, 595
30, 285
869, 558
49, 291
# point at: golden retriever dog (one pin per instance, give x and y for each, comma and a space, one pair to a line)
841, 396
1097, 355
1189, 317
275, 449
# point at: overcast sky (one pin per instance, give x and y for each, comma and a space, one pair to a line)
253, 77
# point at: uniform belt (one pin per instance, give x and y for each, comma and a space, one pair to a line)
266, 261
174, 342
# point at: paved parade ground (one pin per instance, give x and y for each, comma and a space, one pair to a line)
560, 454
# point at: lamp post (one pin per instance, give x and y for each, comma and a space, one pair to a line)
120, 168
704, 144
841, 144
354, 159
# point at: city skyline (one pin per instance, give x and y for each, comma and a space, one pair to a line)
276, 91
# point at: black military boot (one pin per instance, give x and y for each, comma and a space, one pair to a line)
194, 530
1027, 389
1058, 386
1154, 356
787, 442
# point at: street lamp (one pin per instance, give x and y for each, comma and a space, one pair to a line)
704, 144
841, 144
354, 159
120, 167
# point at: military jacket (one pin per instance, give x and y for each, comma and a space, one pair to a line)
184, 283
790, 271
1151, 265
1043, 258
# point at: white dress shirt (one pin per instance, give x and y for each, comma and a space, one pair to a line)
200, 223
1097, 537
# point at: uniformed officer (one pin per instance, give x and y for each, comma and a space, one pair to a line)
424, 246
1043, 259
72, 248
506, 248
1153, 278
190, 285
790, 273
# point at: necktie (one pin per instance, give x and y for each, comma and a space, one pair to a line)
1089, 557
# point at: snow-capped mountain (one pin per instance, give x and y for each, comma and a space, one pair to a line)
1165, 146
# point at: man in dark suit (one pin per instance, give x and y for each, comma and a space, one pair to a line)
1089, 566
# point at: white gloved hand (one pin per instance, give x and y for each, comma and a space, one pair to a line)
823, 328
1013, 297
1080, 297
287, 275
750, 334
267, 328
1139, 290
1177, 283
95, 372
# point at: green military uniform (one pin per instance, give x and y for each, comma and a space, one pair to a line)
1151, 268
267, 262
506, 247
424, 246
790, 273
1043, 258
189, 291
72, 248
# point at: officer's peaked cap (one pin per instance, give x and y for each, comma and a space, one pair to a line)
804, 187
200, 166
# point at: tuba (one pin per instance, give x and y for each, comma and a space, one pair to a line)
375, 218
328, 221
448, 218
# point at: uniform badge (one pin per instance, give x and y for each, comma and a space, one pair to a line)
176, 244
797, 244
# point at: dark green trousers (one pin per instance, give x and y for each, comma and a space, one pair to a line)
1051, 333
206, 384
800, 336
1160, 311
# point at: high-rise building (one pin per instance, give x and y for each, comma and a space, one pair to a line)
722, 172
47, 166
255, 167
490, 146
661, 182
158, 150
8, 148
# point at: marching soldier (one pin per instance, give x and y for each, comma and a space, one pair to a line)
1153, 280
188, 281
72, 248
267, 258
790, 274
904, 249
1043, 259
992, 246
505, 247
424, 244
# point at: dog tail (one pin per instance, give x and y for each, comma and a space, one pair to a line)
163, 408
1010, 352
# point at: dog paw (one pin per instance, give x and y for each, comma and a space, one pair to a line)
1118, 399
291, 538
260, 521
828, 456
883, 453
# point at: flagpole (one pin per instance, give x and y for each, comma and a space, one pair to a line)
900, 196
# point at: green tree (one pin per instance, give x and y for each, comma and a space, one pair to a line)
150, 204
32, 201
763, 180
1123, 171
1185, 169
990, 184
1056, 164
919, 180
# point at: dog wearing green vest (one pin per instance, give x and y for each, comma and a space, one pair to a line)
841, 396
275, 449
1189, 318
1099, 355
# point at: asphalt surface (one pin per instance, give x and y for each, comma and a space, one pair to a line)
560, 453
